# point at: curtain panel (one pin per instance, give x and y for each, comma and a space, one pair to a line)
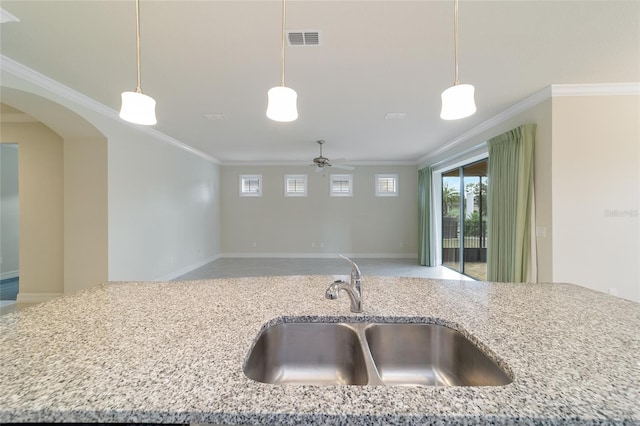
511, 202
426, 256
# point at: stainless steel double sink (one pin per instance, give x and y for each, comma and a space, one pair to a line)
369, 353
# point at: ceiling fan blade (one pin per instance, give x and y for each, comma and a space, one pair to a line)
342, 167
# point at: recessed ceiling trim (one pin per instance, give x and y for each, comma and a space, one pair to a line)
34, 77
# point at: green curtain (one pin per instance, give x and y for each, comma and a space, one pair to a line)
425, 254
510, 200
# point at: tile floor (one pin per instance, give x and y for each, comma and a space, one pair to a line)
255, 267
236, 267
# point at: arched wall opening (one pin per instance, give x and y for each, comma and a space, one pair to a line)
63, 197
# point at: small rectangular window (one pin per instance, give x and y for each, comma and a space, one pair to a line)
341, 185
386, 185
251, 185
295, 185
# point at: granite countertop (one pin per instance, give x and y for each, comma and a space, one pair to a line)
150, 352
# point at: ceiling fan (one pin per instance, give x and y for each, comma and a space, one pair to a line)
321, 162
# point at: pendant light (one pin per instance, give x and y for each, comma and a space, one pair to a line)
281, 104
137, 107
457, 100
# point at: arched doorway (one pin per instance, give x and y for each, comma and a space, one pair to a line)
63, 198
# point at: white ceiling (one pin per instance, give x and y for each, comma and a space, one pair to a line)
376, 57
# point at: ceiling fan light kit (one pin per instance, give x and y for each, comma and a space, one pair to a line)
458, 100
282, 100
137, 107
321, 162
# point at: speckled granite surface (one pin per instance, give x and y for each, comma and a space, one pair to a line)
173, 353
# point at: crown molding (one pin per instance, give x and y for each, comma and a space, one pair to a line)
42, 81
309, 163
604, 89
6, 17
554, 90
523, 105
265, 163
382, 163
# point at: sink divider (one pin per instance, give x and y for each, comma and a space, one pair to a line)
373, 376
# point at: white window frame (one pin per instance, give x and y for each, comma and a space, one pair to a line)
380, 193
303, 193
348, 178
257, 193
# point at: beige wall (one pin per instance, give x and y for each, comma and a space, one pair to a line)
596, 193
85, 213
63, 210
587, 183
319, 224
41, 207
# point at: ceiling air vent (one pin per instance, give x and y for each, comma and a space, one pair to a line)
303, 38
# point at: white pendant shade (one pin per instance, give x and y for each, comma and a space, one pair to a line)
138, 108
458, 102
282, 104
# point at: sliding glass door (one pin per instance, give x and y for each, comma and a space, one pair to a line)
451, 220
464, 219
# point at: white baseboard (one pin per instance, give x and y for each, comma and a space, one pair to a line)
185, 270
320, 255
36, 297
9, 274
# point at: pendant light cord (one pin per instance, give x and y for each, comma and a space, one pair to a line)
455, 40
138, 89
284, 17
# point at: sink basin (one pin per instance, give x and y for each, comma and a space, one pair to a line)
430, 354
308, 353
374, 354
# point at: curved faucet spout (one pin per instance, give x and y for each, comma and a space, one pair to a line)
354, 294
334, 289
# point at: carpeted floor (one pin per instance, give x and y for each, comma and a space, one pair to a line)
9, 289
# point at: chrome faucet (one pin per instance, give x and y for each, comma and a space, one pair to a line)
353, 289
